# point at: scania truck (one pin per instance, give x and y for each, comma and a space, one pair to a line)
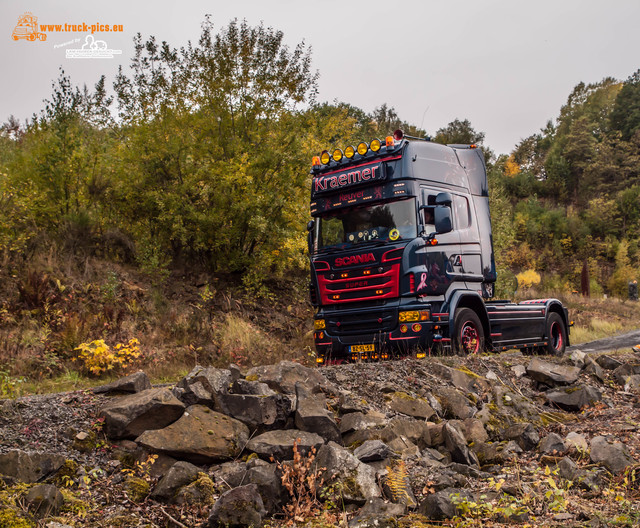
402, 260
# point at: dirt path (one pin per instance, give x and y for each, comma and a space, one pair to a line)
621, 341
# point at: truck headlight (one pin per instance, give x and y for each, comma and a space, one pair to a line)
319, 324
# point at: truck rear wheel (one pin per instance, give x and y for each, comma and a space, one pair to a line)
468, 337
556, 335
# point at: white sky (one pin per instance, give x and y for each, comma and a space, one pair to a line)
506, 65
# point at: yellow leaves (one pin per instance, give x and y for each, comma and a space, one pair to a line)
97, 357
528, 278
511, 167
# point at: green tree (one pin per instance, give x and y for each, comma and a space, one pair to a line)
625, 115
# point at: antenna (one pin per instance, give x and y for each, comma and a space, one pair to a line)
423, 116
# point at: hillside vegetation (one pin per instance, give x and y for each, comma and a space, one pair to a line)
160, 221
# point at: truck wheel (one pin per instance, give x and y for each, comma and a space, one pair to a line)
468, 335
556, 335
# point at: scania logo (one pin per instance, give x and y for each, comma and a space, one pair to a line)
355, 259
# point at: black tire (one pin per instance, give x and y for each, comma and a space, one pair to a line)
556, 335
468, 333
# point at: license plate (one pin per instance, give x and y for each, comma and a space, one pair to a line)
363, 348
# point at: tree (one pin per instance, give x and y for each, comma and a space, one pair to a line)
625, 115
459, 132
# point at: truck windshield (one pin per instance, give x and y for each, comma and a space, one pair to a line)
383, 222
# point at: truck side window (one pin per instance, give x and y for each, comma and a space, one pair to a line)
461, 213
429, 222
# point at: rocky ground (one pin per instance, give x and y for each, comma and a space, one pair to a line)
477, 441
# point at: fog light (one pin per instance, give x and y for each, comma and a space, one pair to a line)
403, 328
319, 360
421, 355
416, 327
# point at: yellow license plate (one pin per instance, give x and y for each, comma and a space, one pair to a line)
363, 348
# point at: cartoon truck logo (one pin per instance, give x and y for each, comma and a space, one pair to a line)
27, 28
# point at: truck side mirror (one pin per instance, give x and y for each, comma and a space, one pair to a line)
444, 198
442, 215
310, 225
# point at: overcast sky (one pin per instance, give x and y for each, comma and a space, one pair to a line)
506, 65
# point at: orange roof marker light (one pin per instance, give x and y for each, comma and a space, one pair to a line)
315, 161
389, 141
473, 146
362, 148
375, 145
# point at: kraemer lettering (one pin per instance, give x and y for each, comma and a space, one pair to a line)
345, 179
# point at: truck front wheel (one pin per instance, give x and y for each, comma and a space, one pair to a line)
556, 335
468, 335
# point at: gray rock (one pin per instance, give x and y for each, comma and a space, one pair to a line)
442, 504
623, 372
552, 444
551, 373
396, 485
372, 450
469, 382
455, 404
270, 487
402, 403
457, 446
614, 456
284, 376
376, 513
279, 444
519, 371
203, 385
129, 416
313, 416
179, 475
591, 367
129, 384
416, 431
578, 358
345, 476
510, 451
44, 500
23, 466
524, 434
608, 362
348, 403
358, 421
253, 388
200, 436
574, 398
568, 469
239, 507
632, 383
229, 474
258, 412
577, 441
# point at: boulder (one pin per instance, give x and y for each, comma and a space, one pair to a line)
284, 376
614, 456
402, 403
203, 385
357, 421
519, 371
456, 444
267, 479
608, 362
279, 444
576, 441
345, 477
258, 412
179, 475
200, 492
624, 371
468, 381
442, 504
376, 513
396, 485
23, 466
239, 507
552, 444
416, 431
372, 450
313, 416
129, 384
455, 404
201, 436
129, 416
524, 434
578, 358
551, 373
44, 500
574, 398
632, 383
229, 475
